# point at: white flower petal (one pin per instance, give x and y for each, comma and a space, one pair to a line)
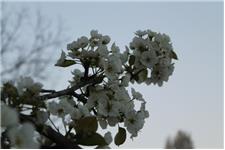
108, 137
9, 116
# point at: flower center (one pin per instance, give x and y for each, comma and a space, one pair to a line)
148, 60
131, 120
108, 107
60, 111
18, 141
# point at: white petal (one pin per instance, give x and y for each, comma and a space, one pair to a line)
108, 137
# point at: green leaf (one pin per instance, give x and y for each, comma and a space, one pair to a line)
173, 55
86, 124
92, 140
142, 76
120, 136
66, 63
131, 60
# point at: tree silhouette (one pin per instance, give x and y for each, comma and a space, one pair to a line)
182, 140
24, 39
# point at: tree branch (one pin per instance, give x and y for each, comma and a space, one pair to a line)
70, 91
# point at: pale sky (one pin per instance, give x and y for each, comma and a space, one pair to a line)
192, 100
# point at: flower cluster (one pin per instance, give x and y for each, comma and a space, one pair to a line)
150, 51
20, 135
154, 52
15, 98
98, 93
67, 106
26, 84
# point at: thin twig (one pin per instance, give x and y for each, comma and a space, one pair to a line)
64, 124
47, 91
53, 124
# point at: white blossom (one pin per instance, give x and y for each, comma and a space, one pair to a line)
95, 34
105, 39
138, 43
113, 85
96, 97
77, 74
103, 51
53, 108
126, 106
112, 121
134, 122
138, 65
116, 63
83, 110
42, 117
137, 55
121, 94
65, 105
9, 116
22, 136
108, 137
25, 83
166, 61
83, 41
148, 59
103, 123
73, 46
143, 110
151, 33
160, 74
109, 109
140, 33
60, 109
75, 114
115, 49
113, 66
125, 80
164, 40
124, 56
80, 111
136, 95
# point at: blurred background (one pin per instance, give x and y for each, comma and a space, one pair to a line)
186, 111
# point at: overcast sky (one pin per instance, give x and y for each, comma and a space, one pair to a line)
192, 100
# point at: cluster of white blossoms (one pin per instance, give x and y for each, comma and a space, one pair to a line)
98, 93
150, 51
114, 106
154, 52
26, 84
67, 106
20, 135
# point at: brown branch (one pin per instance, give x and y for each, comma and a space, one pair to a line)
70, 91
60, 140
80, 97
47, 91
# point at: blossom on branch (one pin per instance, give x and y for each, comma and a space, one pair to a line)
97, 94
